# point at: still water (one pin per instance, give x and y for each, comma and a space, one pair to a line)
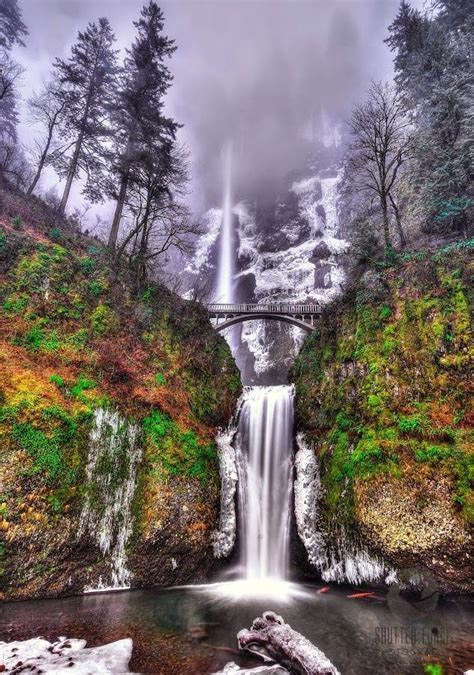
193, 630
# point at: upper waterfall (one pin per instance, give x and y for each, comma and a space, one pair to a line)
225, 274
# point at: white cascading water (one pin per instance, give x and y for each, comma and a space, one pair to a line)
264, 463
225, 274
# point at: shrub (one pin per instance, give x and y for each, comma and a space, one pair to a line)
95, 288
411, 425
83, 383
87, 265
385, 312
102, 319
57, 380
159, 379
432, 454
38, 339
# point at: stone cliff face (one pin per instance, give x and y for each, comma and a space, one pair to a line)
110, 401
383, 396
289, 247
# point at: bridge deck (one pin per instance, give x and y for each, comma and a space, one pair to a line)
275, 308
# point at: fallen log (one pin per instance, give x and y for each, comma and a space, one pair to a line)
274, 640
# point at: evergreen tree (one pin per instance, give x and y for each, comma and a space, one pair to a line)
434, 73
12, 28
85, 83
144, 135
10, 71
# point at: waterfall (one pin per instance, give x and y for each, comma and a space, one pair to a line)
264, 464
225, 273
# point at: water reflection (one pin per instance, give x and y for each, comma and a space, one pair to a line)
193, 630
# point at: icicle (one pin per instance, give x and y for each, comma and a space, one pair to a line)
340, 560
114, 456
224, 538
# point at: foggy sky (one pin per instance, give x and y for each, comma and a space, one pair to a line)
254, 71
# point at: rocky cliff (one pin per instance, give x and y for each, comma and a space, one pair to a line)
288, 247
110, 400
384, 398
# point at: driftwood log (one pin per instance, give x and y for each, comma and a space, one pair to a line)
274, 640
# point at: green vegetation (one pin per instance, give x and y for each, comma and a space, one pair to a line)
57, 379
179, 452
78, 337
381, 384
433, 669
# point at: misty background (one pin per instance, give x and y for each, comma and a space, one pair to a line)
265, 74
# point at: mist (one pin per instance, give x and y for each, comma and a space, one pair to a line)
259, 73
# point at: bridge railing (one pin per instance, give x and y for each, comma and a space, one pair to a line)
273, 308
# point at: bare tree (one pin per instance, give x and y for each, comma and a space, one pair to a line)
160, 222
45, 108
379, 147
10, 71
159, 229
202, 288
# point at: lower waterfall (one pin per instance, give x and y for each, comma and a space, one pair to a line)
264, 444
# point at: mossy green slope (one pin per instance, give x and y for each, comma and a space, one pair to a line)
76, 336
384, 392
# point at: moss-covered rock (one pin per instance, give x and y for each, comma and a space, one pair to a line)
384, 393
77, 336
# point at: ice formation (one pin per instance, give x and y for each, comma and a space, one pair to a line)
114, 455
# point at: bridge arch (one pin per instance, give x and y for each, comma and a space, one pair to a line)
240, 318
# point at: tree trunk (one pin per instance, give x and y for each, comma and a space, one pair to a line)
78, 147
39, 170
398, 220
41, 164
44, 154
71, 173
112, 243
284, 645
386, 224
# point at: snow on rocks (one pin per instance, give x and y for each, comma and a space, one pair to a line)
265, 670
38, 655
274, 640
212, 220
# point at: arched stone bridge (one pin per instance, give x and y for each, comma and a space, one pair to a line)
227, 315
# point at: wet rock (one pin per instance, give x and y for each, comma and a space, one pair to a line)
322, 276
321, 252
